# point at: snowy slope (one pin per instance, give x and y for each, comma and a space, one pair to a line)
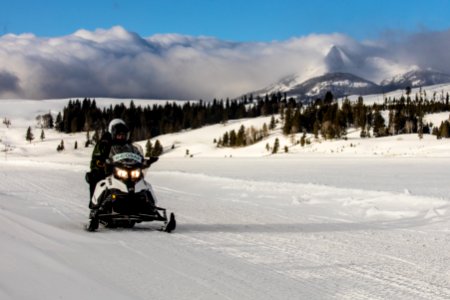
355, 219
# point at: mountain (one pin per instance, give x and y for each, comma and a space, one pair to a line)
416, 78
343, 84
340, 84
337, 60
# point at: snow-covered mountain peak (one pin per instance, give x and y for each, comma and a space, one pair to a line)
337, 60
417, 77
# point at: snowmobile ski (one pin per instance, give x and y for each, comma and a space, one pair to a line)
170, 225
92, 225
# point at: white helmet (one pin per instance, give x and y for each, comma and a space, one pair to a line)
118, 126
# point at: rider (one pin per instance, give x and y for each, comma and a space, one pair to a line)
117, 132
116, 140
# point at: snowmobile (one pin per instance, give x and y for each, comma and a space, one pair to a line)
124, 198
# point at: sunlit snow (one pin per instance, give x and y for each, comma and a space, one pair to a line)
343, 219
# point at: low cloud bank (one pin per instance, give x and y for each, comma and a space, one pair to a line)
118, 63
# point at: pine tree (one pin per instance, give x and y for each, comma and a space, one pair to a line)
316, 129
226, 139
288, 121
59, 124
7, 122
265, 130
88, 139
233, 138
420, 128
303, 139
276, 146
29, 136
444, 129
148, 148
272, 124
60, 146
379, 129
435, 132
42, 135
157, 149
240, 139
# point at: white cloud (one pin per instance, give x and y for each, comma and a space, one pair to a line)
118, 63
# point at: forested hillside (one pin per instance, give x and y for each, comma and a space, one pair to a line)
327, 117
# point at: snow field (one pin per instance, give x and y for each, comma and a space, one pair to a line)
345, 219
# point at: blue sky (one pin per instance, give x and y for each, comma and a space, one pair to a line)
235, 20
249, 45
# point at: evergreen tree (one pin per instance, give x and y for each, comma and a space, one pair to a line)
420, 129
328, 130
288, 121
59, 124
276, 146
29, 136
42, 135
272, 124
303, 139
240, 139
226, 139
316, 129
444, 129
148, 148
328, 98
157, 149
88, 139
435, 132
60, 146
265, 130
47, 120
7, 122
233, 138
379, 128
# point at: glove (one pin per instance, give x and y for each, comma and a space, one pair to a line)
105, 142
147, 162
153, 159
99, 163
87, 177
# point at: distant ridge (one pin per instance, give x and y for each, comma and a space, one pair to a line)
345, 84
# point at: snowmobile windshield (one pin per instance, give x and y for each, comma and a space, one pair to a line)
127, 156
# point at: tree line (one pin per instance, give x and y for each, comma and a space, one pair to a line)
331, 120
323, 117
151, 121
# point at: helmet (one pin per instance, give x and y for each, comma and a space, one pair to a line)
119, 131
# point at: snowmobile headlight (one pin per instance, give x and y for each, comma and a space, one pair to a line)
135, 174
121, 173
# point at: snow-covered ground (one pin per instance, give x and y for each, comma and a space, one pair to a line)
354, 219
